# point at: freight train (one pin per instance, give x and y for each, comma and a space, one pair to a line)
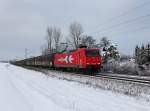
83, 60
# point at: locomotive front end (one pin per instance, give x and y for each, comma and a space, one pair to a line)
93, 59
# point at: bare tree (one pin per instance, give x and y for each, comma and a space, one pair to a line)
88, 41
57, 36
76, 32
49, 37
104, 42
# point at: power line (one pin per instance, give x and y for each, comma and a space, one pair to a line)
124, 13
125, 25
135, 30
122, 23
130, 10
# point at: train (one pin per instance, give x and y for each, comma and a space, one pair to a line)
82, 59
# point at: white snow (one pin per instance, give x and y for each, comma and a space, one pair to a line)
26, 90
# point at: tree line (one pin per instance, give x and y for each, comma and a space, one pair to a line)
142, 54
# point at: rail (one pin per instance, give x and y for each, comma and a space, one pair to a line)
137, 79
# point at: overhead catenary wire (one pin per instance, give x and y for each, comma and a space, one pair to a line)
123, 23
134, 30
121, 15
136, 24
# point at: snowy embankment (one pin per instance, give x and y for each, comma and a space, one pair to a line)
138, 90
26, 90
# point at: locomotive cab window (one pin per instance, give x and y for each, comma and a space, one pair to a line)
92, 53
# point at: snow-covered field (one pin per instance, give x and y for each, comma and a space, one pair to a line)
26, 90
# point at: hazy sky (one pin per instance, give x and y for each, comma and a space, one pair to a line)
23, 23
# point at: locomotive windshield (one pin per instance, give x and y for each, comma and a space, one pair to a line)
92, 53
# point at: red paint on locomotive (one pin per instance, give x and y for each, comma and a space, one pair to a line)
81, 58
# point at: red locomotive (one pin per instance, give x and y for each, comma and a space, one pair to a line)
82, 59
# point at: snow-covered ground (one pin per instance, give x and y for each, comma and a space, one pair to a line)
26, 90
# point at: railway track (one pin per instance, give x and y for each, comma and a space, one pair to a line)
135, 79
130, 78
145, 80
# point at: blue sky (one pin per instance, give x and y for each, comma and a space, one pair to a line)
23, 23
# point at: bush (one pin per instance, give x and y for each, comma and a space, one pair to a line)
125, 67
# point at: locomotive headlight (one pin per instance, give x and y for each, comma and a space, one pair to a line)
98, 63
